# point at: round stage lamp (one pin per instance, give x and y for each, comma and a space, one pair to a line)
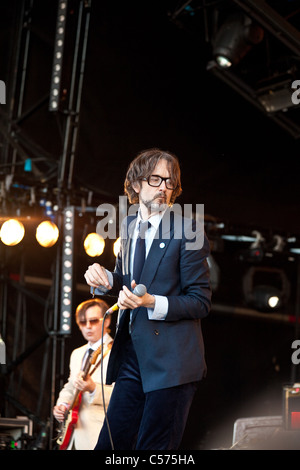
273, 301
47, 234
266, 297
12, 232
117, 246
94, 244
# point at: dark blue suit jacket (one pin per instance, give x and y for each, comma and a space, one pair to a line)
170, 352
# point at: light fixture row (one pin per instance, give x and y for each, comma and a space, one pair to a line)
58, 56
12, 233
66, 300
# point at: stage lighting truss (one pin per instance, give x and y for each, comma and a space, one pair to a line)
66, 301
258, 57
255, 252
259, 247
58, 56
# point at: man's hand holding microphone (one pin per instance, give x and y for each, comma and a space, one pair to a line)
96, 276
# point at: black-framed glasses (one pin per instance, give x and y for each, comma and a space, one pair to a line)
92, 321
156, 180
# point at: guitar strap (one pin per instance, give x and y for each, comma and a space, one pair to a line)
109, 346
65, 436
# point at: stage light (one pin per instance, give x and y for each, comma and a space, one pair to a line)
276, 99
255, 253
94, 244
66, 301
234, 40
58, 56
117, 246
47, 234
266, 298
223, 62
12, 232
266, 288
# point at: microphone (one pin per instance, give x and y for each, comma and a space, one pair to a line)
139, 290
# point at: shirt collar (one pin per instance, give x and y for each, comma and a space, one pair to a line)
98, 343
154, 219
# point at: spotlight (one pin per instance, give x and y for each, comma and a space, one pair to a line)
94, 244
117, 246
234, 40
12, 232
223, 61
47, 234
267, 298
266, 288
279, 99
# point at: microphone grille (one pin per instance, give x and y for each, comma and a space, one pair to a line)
140, 290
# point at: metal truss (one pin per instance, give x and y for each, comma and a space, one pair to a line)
20, 189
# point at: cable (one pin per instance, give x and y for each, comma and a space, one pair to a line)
102, 383
139, 290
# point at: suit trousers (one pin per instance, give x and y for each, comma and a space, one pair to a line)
144, 421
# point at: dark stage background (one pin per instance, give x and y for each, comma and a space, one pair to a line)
145, 84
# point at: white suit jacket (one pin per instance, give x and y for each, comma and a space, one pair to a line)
91, 413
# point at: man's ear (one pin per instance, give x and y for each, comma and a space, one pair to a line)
136, 186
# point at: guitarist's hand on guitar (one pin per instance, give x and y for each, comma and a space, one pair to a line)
59, 412
87, 385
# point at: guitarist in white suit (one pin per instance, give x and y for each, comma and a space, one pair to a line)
89, 415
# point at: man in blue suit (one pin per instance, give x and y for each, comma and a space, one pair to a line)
157, 359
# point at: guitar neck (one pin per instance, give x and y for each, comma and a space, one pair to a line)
85, 372
88, 363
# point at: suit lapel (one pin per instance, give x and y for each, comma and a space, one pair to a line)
129, 229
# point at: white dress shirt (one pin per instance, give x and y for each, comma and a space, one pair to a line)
160, 310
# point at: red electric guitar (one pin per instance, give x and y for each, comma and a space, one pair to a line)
68, 425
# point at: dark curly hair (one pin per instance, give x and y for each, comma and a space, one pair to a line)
142, 167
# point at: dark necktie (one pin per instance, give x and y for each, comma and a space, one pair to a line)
140, 251
86, 358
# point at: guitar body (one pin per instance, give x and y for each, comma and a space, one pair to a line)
69, 425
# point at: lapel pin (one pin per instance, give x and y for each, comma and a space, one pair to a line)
162, 245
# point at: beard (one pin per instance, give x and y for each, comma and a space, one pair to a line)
157, 204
